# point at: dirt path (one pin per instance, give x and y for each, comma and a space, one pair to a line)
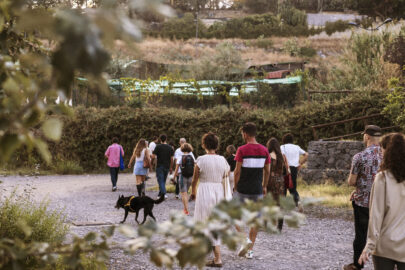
320, 244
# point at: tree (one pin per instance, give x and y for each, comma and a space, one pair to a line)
261, 6
382, 8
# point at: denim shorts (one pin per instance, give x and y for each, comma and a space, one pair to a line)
243, 197
139, 169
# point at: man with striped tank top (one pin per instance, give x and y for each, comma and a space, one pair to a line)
251, 177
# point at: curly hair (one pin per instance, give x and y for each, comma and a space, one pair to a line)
394, 156
210, 141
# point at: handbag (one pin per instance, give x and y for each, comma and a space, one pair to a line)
122, 165
288, 183
146, 162
227, 188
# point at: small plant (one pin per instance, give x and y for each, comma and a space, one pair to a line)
337, 26
307, 52
67, 167
264, 43
46, 225
291, 47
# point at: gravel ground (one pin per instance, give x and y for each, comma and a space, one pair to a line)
323, 243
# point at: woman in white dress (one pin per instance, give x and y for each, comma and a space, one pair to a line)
210, 169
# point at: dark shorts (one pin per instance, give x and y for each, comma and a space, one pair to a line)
243, 197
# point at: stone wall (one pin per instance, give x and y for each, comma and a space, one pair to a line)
330, 160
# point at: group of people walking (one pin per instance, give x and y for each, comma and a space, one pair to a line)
255, 171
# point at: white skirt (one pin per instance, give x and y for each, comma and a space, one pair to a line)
208, 196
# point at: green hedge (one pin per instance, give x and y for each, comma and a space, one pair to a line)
291, 22
87, 135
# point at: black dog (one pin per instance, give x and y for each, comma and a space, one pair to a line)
134, 204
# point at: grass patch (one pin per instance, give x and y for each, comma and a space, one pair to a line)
169, 188
334, 195
67, 167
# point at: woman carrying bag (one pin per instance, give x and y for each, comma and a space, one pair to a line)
142, 163
277, 185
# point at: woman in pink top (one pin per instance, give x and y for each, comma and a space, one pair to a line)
113, 155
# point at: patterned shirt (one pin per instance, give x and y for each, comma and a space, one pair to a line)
365, 165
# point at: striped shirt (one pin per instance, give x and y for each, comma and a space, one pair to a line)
253, 158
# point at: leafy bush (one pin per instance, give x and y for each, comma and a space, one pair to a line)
273, 96
307, 52
88, 134
46, 225
395, 108
292, 16
289, 23
180, 28
337, 26
67, 167
225, 64
292, 48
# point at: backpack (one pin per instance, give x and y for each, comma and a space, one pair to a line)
187, 166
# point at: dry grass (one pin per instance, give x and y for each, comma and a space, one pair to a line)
186, 52
333, 195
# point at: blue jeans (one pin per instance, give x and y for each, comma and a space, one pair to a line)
161, 175
114, 175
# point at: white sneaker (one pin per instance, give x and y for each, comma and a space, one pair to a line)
245, 247
166, 197
249, 254
177, 196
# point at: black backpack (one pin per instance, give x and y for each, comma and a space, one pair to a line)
187, 166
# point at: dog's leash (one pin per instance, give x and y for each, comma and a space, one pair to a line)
129, 203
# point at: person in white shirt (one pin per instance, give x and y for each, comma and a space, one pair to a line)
177, 156
293, 153
152, 146
184, 172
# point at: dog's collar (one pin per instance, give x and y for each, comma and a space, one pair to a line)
129, 203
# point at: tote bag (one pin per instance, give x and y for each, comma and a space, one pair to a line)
122, 165
227, 188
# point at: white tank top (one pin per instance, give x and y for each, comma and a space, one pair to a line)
142, 156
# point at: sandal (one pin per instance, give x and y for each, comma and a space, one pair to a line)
211, 263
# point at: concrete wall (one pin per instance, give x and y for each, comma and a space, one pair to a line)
330, 160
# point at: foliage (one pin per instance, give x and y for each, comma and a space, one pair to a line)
273, 96
292, 48
31, 70
46, 225
263, 43
225, 64
87, 135
179, 28
290, 23
395, 51
67, 167
382, 8
261, 6
337, 26
177, 245
361, 67
396, 103
292, 16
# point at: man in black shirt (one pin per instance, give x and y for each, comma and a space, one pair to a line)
164, 154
